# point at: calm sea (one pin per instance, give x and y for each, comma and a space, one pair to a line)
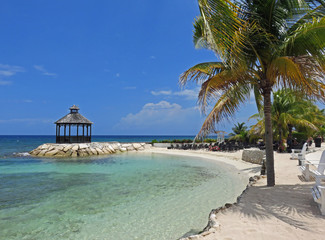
121, 196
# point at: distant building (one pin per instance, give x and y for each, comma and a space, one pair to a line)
69, 121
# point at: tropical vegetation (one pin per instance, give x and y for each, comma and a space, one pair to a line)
291, 110
263, 45
206, 140
240, 133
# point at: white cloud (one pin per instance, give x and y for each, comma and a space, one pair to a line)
44, 71
8, 70
160, 116
5, 83
6, 73
117, 74
189, 94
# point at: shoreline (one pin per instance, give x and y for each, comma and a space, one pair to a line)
251, 173
231, 161
285, 211
229, 158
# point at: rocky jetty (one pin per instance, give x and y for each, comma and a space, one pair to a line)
85, 149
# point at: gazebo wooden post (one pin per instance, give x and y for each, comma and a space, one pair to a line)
83, 132
59, 134
77, 132
87, 132
65, 128
69, 133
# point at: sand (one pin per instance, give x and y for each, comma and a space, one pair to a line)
286, 211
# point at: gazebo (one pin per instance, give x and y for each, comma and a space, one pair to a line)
73, 119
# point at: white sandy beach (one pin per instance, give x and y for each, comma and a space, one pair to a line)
286, 211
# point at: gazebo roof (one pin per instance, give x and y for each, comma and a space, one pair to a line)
73, 117
74, 107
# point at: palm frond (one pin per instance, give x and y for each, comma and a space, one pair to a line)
223, 27
307, 39
317, 12
201, 72
199, 34
227, 104
306, 124
258, 97
221, 82
301, 73
258, 128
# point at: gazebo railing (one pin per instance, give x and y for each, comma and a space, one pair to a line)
73, 139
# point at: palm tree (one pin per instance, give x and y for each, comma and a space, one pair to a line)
290, 109
262, 45
313, 114
240, 132
238, 128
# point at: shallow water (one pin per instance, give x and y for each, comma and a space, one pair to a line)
123, 196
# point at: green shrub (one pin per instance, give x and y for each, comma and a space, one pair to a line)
209, 140
300, 136
175, 141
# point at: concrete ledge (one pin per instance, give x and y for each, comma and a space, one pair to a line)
162, 145
85, 149
253, 155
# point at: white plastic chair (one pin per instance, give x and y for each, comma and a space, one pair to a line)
299, 154
318, 173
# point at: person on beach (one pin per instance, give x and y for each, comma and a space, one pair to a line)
289, 144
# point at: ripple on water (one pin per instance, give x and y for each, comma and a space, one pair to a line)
145, 196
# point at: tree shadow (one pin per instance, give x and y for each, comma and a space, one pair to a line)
255, 170
292, 204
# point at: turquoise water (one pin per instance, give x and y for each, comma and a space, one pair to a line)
123, 196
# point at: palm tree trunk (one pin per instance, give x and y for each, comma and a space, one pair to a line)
268, 138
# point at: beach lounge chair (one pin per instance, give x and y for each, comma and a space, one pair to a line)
171, 146
299, 154
318, 193
314, 169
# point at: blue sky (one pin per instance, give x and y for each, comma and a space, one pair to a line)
119, 61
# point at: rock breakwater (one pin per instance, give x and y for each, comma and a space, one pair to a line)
85, 149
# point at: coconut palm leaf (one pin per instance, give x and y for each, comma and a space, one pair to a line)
299, 73
317, 12
214, 86
227, 104
201, 72
307, 39
199, 34
223, 27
